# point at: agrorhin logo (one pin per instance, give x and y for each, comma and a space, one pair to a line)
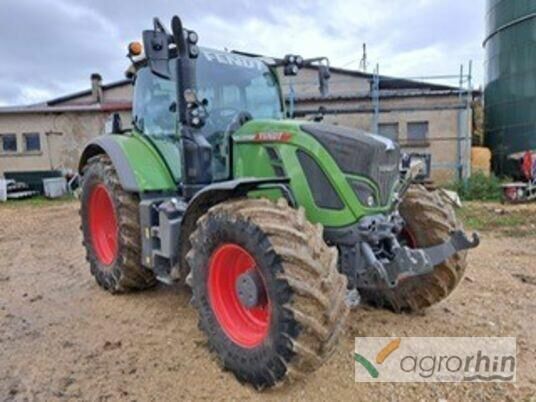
439, 359
383, 354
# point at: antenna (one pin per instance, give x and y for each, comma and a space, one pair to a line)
363, 62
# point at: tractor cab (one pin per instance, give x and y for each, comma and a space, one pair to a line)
189, 101
233, 88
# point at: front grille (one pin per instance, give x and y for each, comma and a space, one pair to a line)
384, 172
360, 153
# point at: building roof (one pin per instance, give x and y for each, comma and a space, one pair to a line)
57, 105
44, 108
386, 82
393, 83
87, 92
386, 94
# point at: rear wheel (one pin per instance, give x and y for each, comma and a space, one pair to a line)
429, 221
111, 229
267, 290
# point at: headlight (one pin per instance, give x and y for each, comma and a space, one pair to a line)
364, 193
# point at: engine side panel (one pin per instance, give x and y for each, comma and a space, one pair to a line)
252, 157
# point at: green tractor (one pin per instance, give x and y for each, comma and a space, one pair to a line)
278, 225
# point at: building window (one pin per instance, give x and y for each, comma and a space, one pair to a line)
9, 142
418, 132
32, 142
389, 130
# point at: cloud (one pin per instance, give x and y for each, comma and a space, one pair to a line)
50, 47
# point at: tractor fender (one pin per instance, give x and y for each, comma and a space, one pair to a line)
215, 194
106, 145
138, 164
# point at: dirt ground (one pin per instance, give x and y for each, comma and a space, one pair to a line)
62, 337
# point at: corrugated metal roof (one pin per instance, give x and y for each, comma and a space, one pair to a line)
87, 92
386, 82
384, 94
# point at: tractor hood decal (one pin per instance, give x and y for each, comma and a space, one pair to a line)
283, 136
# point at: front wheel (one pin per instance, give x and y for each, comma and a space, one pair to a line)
429, 222
267, 290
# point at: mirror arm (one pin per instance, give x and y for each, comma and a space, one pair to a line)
158, 26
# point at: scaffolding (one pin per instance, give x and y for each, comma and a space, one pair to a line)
463, 135
462, 86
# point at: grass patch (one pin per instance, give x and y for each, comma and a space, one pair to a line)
483, 219
482, 212
478, 187
511, 222
38, 201
519, 232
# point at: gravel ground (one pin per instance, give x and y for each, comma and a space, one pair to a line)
63, 338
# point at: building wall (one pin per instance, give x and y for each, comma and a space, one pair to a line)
120, 93
62, 137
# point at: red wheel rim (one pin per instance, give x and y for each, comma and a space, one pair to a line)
103, 224
246, 327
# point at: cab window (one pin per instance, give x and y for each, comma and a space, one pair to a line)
154, 108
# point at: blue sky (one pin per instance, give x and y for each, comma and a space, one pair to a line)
50, 47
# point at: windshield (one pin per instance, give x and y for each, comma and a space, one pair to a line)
233, 82
233, 85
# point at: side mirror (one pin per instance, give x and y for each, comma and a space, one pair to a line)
415, 169
156, 44
323, 79
113, 124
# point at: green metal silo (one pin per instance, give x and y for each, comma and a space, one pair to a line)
510, 91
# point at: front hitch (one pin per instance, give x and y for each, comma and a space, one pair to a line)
458, 242
407, 262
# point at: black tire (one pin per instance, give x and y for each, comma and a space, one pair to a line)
430, 220
299, 271
125, 273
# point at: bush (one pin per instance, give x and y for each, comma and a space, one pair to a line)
479, 187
